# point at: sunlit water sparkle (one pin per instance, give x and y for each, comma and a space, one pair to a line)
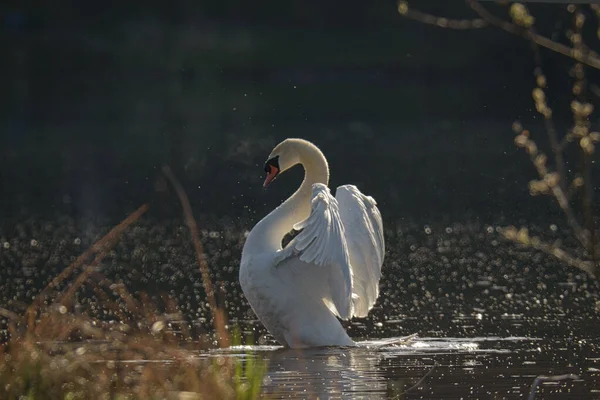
427, 368
490, 317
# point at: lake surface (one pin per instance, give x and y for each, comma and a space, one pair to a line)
490, 317
433, 368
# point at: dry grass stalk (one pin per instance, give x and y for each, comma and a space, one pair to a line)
102, 246
64, 355
218, 313
92, 368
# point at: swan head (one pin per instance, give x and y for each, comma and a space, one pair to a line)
283, 157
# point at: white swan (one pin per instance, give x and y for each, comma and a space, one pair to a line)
315, 257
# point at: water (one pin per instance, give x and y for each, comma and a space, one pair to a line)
490, 317
494, 368
432, 368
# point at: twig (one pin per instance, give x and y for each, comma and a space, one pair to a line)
441, 22
580, 56
418, 382
580, 122
543, 378
587, 210
548, 120
522, 237
219, 316
560, 192
552, 181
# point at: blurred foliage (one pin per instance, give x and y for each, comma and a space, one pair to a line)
58, 349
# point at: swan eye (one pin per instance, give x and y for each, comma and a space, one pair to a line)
272, 169
273, 162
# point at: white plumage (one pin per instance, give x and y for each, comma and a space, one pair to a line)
330, 269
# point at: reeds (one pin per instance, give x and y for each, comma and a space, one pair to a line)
55, 352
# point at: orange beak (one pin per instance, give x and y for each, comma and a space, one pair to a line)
273, 171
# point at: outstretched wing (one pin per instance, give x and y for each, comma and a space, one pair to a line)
363, 229
321, 242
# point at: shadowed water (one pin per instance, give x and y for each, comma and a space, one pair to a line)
432, 368
490, 317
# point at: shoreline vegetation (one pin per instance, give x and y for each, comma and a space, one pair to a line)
55, 350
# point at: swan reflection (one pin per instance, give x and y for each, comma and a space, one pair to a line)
354, 372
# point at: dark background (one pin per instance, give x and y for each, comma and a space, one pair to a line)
96, 97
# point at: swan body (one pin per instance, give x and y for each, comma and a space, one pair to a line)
316, 258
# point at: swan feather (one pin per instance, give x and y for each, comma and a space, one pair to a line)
321, 242
366, 247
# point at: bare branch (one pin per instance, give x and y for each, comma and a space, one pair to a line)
521, 236
550, 184
581, 117
546, 111
554, 180
401, 395
581, 56
554, 378
440, 22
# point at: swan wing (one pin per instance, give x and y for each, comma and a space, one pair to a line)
321, 244
363, 228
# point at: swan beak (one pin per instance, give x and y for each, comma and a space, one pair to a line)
271, 174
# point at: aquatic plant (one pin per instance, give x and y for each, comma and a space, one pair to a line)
572, 191
248, 376
55, 350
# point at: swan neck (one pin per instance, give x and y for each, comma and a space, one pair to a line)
316, 170
268, 233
